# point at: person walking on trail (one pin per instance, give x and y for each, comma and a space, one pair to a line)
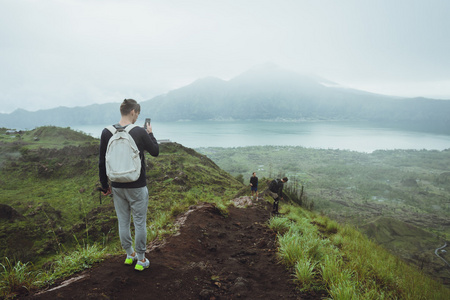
276, 192
254, 185
130, 196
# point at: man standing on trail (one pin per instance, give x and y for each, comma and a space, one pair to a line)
130, 197
276, 192
254, 184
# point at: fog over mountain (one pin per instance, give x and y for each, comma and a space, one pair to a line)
265, 92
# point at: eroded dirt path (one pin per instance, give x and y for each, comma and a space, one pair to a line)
212, 257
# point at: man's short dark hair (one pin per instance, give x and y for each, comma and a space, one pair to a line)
128, 105
285, 179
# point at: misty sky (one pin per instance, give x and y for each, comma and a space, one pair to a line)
79, 52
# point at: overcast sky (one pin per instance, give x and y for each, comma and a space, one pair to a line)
79, 52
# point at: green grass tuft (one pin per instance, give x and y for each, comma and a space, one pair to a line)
304, 273
15, 276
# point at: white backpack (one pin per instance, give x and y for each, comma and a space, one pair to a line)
123, 163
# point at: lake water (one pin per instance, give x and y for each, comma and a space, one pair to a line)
355, 136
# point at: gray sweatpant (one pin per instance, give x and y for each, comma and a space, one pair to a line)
132, 201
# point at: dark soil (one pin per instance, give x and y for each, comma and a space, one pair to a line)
212, 257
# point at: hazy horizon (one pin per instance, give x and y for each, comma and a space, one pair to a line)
76, 53
351, 136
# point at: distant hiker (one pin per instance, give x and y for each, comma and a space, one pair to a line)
130, 194
276, 192
254, 184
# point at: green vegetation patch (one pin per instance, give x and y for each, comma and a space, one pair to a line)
399, 198
325, 255
53, 222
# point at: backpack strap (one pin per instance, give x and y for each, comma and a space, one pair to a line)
112, 129
129, 127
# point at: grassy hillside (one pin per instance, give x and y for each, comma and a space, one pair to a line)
52, 222
323, 253
47, 181
399, 198
49, 205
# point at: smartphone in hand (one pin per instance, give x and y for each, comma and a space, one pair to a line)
147, 121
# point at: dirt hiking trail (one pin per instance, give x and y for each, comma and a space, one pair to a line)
211, 257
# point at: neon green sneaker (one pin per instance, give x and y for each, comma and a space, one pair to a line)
130, 259
140, 266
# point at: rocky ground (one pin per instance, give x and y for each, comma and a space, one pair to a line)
212, 257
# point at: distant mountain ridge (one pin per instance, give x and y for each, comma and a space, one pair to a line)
262, 93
